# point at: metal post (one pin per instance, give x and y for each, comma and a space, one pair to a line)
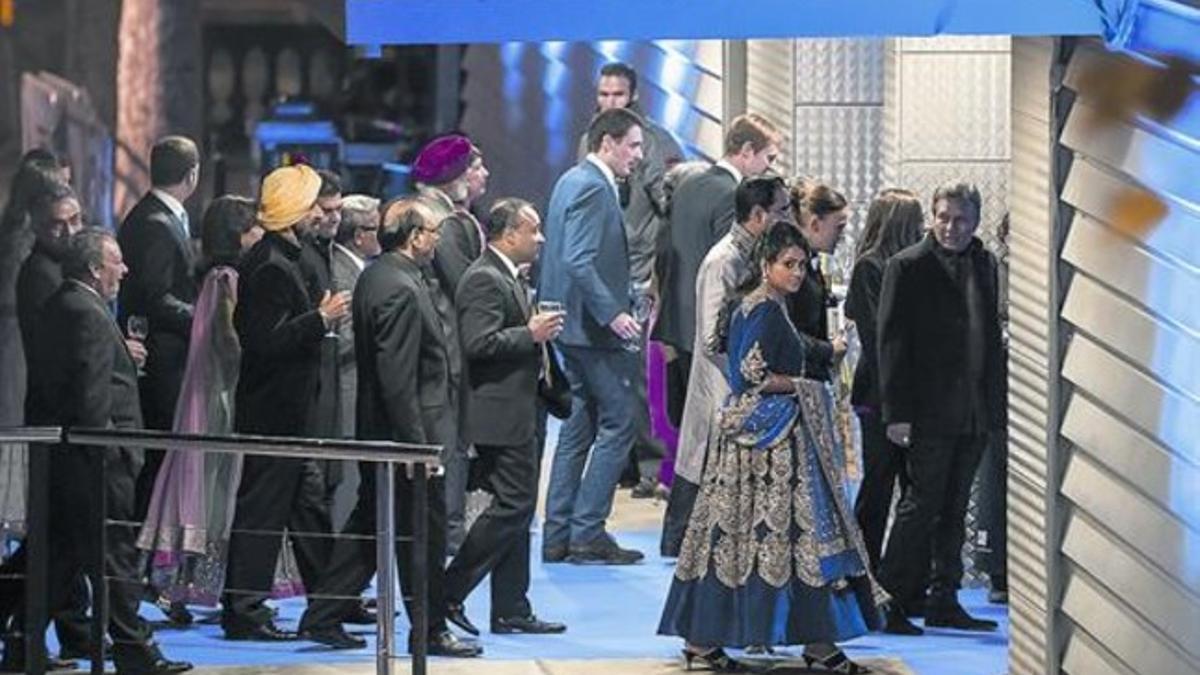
420, 557
37, 557
100, 577
385, 558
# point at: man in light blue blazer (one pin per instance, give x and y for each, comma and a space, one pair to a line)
585, 266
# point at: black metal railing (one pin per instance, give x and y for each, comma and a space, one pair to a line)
419, 461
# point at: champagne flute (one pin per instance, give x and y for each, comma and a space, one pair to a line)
138, 328
643, 307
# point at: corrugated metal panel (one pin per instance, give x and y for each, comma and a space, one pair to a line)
770, 69
1131, 482
1031, 445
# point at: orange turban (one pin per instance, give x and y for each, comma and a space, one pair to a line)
288, 194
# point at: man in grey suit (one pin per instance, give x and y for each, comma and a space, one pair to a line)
356, 243
586, 268
644, 201
702, 210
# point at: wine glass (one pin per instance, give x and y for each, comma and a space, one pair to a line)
643, 307
137, 328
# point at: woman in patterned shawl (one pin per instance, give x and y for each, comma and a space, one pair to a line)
772, 553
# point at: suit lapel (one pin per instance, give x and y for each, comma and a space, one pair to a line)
514, 284
178, 228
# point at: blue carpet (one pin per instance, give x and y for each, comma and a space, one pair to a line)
611, 613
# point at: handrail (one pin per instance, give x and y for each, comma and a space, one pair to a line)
266, 446
417, 457
30, 434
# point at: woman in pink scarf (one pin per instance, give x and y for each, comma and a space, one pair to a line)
187, 528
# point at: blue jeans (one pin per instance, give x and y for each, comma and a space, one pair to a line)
602, 413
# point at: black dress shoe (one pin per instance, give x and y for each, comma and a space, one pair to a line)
160, 666
457, 615
83, 652
603, 551
263, 632
526, 624
359, 616
896, 623
954, 616
554, 554
17, 663
446, 643
334, 638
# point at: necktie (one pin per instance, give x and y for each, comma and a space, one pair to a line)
184, 229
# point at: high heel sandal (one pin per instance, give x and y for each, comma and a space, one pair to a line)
716, 659
837, 662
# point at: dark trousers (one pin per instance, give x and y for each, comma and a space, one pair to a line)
679, 370
679, 511
71, 624
352, 563
74, 543
992, 547
498, 541
883, 464
275, 493
931, 518
159, 391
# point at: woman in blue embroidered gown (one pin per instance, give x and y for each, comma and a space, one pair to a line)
772, 553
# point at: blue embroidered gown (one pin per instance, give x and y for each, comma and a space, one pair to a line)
772, 554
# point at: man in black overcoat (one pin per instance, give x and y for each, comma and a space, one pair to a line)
942, 375
280, 327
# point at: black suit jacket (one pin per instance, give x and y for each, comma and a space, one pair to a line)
400, 350
459, 247
807, 310
923, 342
862, 307
702, 211
502, 358
160, 286
39, 278
81, 373
280, 332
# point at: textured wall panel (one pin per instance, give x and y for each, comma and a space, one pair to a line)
955, 106
840, 144
769, 72
957, 43
1033, 349
839, 71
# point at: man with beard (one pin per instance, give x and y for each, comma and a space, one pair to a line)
450, 175
280, 327
644, 202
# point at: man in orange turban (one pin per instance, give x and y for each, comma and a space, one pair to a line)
280, 327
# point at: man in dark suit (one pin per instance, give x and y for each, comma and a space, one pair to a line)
702, 211
942, 375
156, 241
403, 395
450, 176
87, 377
55, 216
502, 341
586, 268
280, 328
